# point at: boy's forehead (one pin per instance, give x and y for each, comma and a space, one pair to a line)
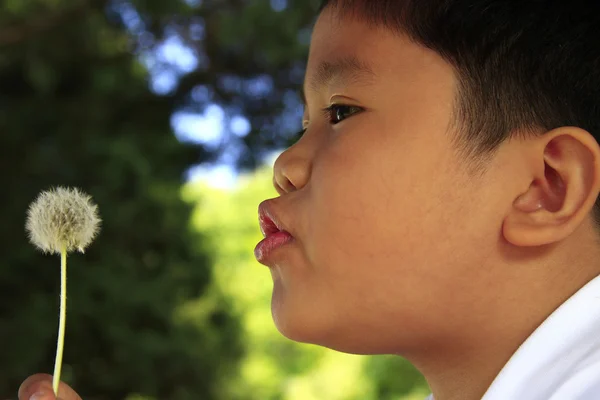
344, 68
340, 52
346, 50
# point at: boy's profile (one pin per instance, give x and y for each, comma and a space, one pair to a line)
441, 204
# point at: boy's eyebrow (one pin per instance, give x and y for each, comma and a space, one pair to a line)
349, 68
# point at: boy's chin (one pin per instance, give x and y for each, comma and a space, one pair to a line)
302, 324
300, 321
313, 324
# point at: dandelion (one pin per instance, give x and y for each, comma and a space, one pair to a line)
59, 221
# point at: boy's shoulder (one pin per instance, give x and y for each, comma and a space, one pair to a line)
561, 359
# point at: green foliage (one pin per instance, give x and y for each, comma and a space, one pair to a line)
386, 370
254, 33
76, 111
126, 328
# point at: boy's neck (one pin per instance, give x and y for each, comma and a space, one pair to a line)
463, 367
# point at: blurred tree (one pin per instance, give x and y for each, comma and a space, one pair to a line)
75, 109
245, 56
88, 90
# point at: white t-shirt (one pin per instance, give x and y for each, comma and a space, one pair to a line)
560, 360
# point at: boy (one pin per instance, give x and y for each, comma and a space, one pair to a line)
441, 203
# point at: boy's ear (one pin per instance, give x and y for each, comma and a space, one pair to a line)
563, 190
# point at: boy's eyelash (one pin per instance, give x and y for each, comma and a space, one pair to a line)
327, 112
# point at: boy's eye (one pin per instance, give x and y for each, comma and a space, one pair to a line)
336, 113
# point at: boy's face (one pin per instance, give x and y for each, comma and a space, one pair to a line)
392, 235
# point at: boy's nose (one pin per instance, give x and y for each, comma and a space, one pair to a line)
292, 170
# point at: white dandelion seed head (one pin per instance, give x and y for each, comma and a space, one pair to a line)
62, 218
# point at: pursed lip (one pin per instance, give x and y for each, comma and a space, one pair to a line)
269, 223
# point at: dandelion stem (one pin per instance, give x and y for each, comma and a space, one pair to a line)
61, 324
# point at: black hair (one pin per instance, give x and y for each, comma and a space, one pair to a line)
523, 67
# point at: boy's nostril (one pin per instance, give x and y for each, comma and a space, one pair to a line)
285, 186
289, 186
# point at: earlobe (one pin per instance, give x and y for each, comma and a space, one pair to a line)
561, 194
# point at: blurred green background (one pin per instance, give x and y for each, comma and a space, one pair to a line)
169, 114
